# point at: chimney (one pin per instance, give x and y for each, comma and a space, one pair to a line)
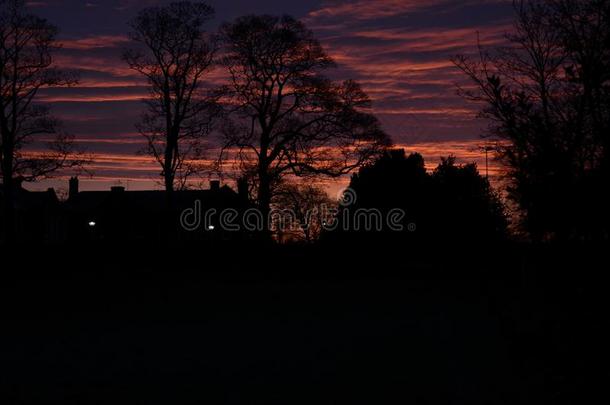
242, 188
215, 185
73, 187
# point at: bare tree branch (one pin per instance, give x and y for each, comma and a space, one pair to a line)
174, 56
285, 112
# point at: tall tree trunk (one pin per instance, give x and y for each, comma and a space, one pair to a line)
169, 177
264, 183
264, 202
9, 224
169, 183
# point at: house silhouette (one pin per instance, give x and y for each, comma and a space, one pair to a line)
121, 215
36, 213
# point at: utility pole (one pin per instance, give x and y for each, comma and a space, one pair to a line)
486, 148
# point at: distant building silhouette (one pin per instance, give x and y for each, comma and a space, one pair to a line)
118, 214
138, 215
37, 215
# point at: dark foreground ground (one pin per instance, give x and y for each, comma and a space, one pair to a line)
353, 325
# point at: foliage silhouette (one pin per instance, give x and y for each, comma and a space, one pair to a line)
175, 54
27, 47
302, 212
285, 117
547, 97
453, 204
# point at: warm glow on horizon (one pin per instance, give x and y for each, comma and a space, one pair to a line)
394, 48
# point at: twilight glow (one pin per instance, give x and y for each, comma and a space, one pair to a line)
398, 49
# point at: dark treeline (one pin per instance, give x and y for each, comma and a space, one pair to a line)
451, 205
282, 124
546, 95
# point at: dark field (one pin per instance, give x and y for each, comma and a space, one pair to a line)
505, 327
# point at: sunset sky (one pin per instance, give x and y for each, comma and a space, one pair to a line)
398, 49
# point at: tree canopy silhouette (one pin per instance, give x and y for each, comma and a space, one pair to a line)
285, 117
27, 47
175, 53
302, 211
465, 203
452, 204
547, 97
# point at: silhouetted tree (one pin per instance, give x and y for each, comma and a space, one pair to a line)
393, 178
305, 208
453, 204
27, 44
174, 56
547, 97
286, 118
394, 181
465, 203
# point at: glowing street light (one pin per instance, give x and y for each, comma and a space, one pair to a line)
92, 224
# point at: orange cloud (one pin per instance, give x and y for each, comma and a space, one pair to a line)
369, 10
93, 98
404, 66
95, 42
94, 63
373, 10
